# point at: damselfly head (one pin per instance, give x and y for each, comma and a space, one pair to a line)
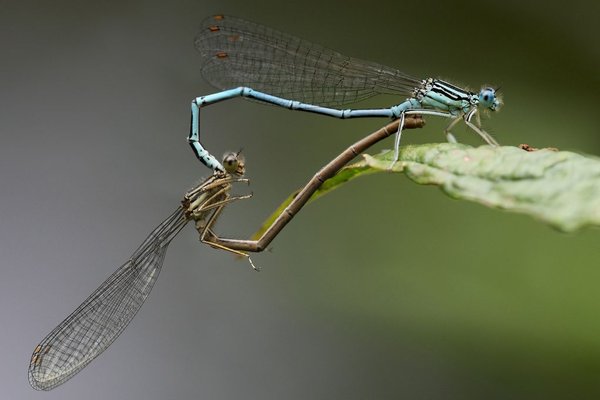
234, 163
488, 98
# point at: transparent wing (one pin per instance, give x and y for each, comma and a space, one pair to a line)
101, 318
240, 53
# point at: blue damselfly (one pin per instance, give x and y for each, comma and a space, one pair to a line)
276, 68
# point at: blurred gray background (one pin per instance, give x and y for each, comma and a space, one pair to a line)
380, 290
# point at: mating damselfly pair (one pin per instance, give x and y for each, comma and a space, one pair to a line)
268, 66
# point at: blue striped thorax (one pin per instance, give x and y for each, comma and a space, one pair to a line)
441, 95
444, 96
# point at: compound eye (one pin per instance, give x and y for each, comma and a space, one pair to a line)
234, 163
487, 97
230, 162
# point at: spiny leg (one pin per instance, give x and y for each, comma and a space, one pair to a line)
484, 135
201, 204
204, 234
223, 202
219, 181
397, 141
478, 119
449, 136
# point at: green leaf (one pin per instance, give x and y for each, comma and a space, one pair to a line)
557, 187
